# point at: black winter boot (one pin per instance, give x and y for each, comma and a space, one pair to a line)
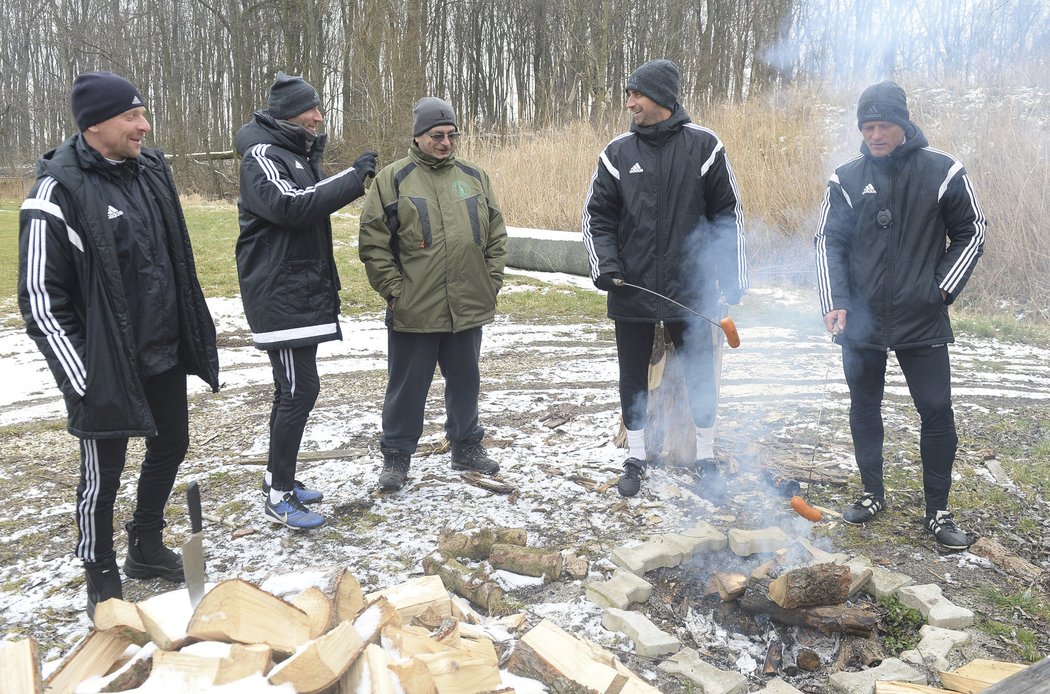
103, 583
149, 558
395, 469
471, 455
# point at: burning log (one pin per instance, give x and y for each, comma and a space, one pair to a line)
821, 584
828, 619
774, 657
730, 586
808, 659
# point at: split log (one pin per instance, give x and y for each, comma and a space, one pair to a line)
860, 654
475, 586
529, 561
121, 619
349, 598
372, 672
730, 586
828, 619
18, 663
978, 675
477, 545
322, 662
236, 610
376, 617
413, 676
414, 596
132, 674
807, 659
175, 671
462, 610
562, 662
318, 609
1027, 680
243, 661
820, 584
774, 657
430, 619
93, 656
456, 671
859, 582
165, 617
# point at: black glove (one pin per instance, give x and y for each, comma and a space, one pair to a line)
365, 165
607, 281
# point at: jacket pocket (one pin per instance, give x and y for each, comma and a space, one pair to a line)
301, 286
423, 211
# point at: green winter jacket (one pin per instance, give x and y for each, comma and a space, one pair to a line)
433, 243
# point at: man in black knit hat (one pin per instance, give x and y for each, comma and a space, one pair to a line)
286, 268
109, 293
664, 213
900, 233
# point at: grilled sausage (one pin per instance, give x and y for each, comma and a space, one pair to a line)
805, 510
729, 328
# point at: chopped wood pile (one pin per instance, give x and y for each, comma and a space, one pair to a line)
413, 637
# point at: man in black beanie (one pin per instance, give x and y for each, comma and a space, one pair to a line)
900, 233
664, 213
109, 293
288, 278
434, 245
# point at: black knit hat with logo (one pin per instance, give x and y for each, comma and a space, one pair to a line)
658, 80
291, 95
430, 111
883, 101
98, 96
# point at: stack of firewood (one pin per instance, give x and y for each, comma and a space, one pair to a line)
413, 637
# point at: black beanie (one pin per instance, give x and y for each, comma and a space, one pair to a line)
291, 95
883, 101
430, 111
658, 80
98, 96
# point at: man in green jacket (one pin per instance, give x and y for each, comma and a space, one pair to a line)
434, 245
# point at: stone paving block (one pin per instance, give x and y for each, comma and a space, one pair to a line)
934, 647
778, 686
820, 556
620, 590
705, 538
647, 637
863, 682
938, 610
686, 663
744, 543
649, 555
884, 582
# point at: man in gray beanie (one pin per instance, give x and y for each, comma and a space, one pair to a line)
434, 245
663, 213
288, 278
900, 233
109, 293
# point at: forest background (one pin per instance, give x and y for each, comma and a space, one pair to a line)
538, 86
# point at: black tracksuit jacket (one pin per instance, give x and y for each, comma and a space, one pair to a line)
663, 211
889, 279
74, 296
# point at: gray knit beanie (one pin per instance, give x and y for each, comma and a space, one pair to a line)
99, 96
430, 111
291, 95
883, 101
658, 80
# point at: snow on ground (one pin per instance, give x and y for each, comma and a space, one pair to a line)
785, 379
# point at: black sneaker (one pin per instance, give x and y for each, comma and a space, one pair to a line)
631, 480
471, 455
395, 469
710, 484
103, 583
302, 492
946, 531
863, 509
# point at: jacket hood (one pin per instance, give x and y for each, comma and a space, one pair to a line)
665, 128
914, 140
76, 152
263, 129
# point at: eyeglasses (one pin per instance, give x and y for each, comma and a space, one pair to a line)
453, 137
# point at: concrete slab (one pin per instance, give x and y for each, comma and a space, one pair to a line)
778, 686
934, 647
619, 591
688, 665
863, 682
938, 610
648, 639
744, 543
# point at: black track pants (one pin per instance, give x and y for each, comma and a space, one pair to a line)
102, 462
411, 358
928, 374
697, 347
296, 386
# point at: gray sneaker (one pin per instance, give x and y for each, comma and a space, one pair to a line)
946, 531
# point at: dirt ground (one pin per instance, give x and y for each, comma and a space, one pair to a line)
549, 405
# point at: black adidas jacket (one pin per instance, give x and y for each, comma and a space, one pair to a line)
287, 273
889, 278
75, 300
663, 211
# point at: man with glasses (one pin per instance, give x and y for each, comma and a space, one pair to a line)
434, 245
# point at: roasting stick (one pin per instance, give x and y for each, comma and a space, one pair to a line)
726, 325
